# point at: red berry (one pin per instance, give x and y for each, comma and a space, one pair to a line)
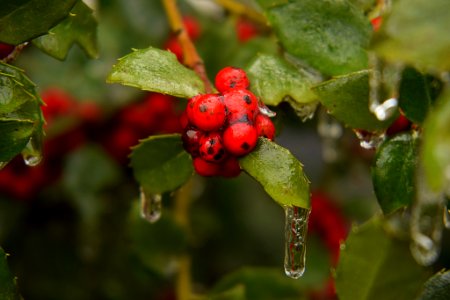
192, 27
58, 103
205, 168
230, 167
211, 147
174, 46
376, 23
89, 111
5, 50
240, 138
160, 104
400, 124
242, 105
184, 122
206, 112
191, 141
231, 78
264, 126
246, 30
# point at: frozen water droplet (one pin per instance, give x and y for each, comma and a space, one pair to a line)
426, 223
369, 140
32, 153
304, 111
296, 227
386, 109
384, 79
265, 110
151, 206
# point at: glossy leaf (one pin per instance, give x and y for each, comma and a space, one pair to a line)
436, 144
347, 99
156, 70
393, 173
328, 35
279, 172
416, 33
375, 266
271, 3
437, 287
160, 163
417, 94
78, 27
235, 293
22, 20
8, 284
274, 79
20, 114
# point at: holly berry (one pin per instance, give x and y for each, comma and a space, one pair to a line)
211, 147
240, 138
207, 112
5, 50
230, 167
205, 168
401, 124
242, 105
191, 141
231, 78
246, 30
264, 126
376, 23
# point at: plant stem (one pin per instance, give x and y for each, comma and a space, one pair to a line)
181, 215
243, 10
191, 58
13, 55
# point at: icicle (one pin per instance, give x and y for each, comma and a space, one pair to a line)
426, 223
304, 111
383, 77
369, 140
296, 227
151, 206
32, 154
265, 110
330, 130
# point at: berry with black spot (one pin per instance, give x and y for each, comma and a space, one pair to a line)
264, 126
206, 112
206, 168
230, 167
191, 141
241, 105
211, 147
240, 138
231, 78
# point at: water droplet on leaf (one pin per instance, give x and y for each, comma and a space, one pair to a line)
151, 206
32, 153
265, 110
296, 227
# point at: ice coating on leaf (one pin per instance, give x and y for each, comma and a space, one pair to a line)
296, 228
330, 131
370, 140
151, 206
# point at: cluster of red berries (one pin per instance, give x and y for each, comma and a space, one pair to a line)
218, 128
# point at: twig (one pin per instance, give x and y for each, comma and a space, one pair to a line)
243, 10
190, 55
13, 55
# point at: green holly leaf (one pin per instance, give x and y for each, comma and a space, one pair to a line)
20, 113
416, 94
279, 172
437, 287
372, 263
436, 144
328, 35
160, 163
393, 173
23, 20
347, 99
8, 284
271, 3
275, 80
158, 71
79, 27
416, 33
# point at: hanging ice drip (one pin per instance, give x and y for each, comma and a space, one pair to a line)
296, 227
369, 140
426, 223
32, 153
383, 79
330, 130
304, 111
151, 206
